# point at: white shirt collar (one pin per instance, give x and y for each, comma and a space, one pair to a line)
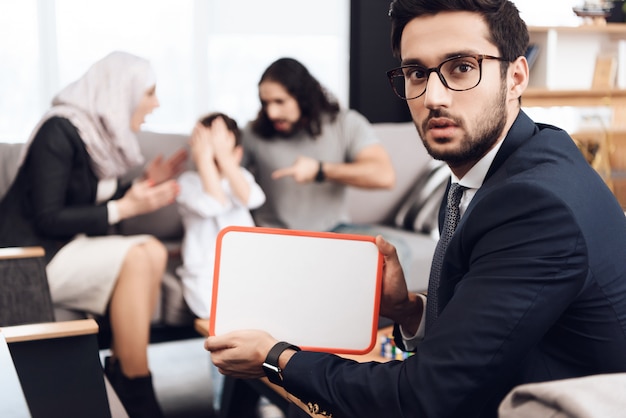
475, 177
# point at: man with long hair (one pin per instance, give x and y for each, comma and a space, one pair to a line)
304, 150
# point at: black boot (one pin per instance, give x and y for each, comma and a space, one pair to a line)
137, 395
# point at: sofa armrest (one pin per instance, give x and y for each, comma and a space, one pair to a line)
59, 369
12, 253
47, 330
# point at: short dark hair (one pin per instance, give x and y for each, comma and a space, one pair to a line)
507, 30
313, 99
231, 124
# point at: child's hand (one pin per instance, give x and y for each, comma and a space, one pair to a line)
223, 141
201, 145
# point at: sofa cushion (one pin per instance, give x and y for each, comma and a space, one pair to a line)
415, 251
164, 224
174, 309
420, 210
408, 156
9, 156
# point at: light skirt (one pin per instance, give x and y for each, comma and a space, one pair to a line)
83, 273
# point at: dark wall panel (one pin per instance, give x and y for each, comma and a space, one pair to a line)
370, 58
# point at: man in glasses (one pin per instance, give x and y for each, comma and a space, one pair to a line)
532, 284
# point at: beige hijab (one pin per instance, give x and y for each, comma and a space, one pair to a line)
100, 105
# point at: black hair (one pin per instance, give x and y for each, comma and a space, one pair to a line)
231, 124
313, 99
507, 30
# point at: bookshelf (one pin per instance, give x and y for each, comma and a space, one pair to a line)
585, 67
543, 97
566, 57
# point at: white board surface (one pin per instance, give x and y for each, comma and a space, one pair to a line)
320, 291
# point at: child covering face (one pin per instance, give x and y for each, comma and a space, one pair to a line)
219, 193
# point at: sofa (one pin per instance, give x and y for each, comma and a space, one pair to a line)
406, 215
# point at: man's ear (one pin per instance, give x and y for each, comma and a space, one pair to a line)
518, 77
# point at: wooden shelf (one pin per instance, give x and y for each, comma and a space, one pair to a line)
556, 82
567, 55
609, 28
542, 97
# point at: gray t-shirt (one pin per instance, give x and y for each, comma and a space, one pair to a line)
310, 206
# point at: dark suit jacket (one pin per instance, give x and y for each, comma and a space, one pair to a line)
533, 288
53, 196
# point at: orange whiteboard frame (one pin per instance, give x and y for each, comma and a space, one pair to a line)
318, 290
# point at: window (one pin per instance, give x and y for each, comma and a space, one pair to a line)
549, 12
208, 55
20, 81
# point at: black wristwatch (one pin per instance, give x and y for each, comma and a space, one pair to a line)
270, 366
320, 176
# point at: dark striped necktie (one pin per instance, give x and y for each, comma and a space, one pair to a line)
450, 222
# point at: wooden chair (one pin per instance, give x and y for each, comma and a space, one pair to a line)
57, 363
24, 295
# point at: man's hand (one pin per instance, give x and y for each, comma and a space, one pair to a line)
240, 354
159, 170
303, 170
396, 302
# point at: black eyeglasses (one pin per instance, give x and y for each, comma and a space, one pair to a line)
459, 73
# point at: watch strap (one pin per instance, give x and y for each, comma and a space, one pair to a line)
320, 176
270, 365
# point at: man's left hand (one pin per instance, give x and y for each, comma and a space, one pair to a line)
303, 170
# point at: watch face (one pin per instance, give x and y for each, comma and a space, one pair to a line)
271, 368
273, 373
270, 365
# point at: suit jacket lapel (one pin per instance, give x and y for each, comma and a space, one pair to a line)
522, 129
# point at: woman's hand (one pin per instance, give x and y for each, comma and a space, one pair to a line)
144, 197
159, 170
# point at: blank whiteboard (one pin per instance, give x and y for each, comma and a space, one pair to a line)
318, 290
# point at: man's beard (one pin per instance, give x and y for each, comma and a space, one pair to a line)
294, 128
472, 147
285, 134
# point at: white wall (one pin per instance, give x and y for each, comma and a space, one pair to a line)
548, 12
208, 54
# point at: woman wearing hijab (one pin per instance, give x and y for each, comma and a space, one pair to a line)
67, 195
